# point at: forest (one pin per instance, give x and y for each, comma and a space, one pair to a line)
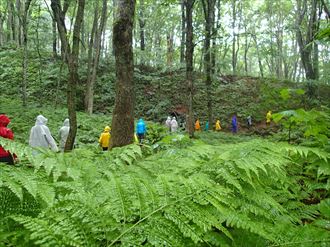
164, 123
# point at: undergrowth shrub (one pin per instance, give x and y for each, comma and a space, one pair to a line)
185, 195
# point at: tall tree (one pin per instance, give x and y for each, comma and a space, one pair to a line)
123, 114
142, 23
189, 5
305, 10
209, 12
71, 54
183, 32
25, 51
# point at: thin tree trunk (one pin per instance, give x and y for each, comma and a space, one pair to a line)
38, 46
71, 56
95, 63
258, 55
54, 38
170, 49
189, 66
1, 30
233, 25
142, 24
25, 52
215, 29
183, 32
123, 114
88, 95
208, 7
304, 44
19, 23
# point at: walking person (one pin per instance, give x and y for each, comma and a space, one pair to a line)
40, 135
141, 130
168, 123
63, 133
5, 155
174, 125
104, 139
234, 124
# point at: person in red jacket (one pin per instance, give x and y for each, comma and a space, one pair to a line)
6, 156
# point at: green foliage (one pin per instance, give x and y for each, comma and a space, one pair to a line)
185, 195
312, 124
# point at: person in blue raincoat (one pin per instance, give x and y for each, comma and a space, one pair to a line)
234, 124
206, 126
141, 130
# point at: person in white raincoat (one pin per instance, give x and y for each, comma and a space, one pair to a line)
168, 123
40, 135
63, 133
174, 125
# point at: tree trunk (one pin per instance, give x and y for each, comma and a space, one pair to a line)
208, 7
170, 49
88, 95
71, 56
215, 29
305, 45
19, 23
142, 24
258, 55
189, 66
233, 25
95, 60
54, 38
25, 52
2, 38
123, 114
183, 32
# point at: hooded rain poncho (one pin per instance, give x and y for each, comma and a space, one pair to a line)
141, 127
5, 133
104, 139
218, 125
40, 135
64, 132
168, 123
174, 125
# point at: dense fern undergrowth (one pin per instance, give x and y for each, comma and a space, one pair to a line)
217, 190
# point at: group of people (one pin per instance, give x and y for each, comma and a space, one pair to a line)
171, 124
139, 136
40, 137
217, 126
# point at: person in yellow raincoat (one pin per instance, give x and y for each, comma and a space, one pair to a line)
197, 125
217, 125
105, 138
268, 117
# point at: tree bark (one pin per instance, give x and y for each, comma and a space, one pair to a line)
170, 49
189, 4
142, 24
305, 45
71, 56
95, 61
123, 114
208, 7
25, 52
233, 60
261, 71
54, 38
183, 32
91, 42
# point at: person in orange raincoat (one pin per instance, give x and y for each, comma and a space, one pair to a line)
197, 125
105, 138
